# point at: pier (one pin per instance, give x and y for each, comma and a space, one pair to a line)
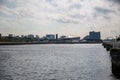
114, 48
115, 61
111, 44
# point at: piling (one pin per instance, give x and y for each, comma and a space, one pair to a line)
107, 46
115, 61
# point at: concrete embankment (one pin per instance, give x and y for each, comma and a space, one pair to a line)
15, 43
114, 49
107, 46
110, 44
115, 61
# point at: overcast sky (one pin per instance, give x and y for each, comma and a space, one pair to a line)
65, 17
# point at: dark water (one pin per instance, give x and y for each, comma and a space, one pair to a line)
55, 62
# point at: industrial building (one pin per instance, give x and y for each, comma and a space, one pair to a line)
50, 36
94, 36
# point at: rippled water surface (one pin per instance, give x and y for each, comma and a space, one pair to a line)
55, 62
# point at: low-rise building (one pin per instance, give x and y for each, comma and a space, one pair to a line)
10, 35
30, 36
70, 39
37, 37
63, 37
50, 36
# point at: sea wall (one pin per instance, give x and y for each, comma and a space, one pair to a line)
115, 61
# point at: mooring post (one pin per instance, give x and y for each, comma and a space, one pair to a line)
116, 42
115, 45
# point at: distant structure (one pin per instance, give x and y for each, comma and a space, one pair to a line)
0, 35
86, 37
94, 36
17, 36
10, 35
75, 39
63, 37
69, 39
118, 38
50, 36
37, 37
22, 36
30, 36
56, 36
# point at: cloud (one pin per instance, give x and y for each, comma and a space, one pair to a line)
8, 3
67, 20
52, 2
103, 10
50, 13
72, 11
116, 1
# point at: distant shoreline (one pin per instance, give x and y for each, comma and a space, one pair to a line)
25, 43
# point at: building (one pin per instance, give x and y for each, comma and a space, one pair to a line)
86, 37
94, 36
22, 36
10, 35
70, 39
50, 36
56, 36
0, 35
63, 37
17, 36
37, 37
118, 38
30, 36
75, 39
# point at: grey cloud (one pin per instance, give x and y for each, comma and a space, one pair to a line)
77, 6
96, 15
116, 1
65, 20
71, 6
101, 10
51, 2
77, 16
25, 13
3, 2
8, 3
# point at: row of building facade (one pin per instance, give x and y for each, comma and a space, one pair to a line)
93, 36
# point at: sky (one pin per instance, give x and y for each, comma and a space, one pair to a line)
63, 17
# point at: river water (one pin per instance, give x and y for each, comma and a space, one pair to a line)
55, 62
